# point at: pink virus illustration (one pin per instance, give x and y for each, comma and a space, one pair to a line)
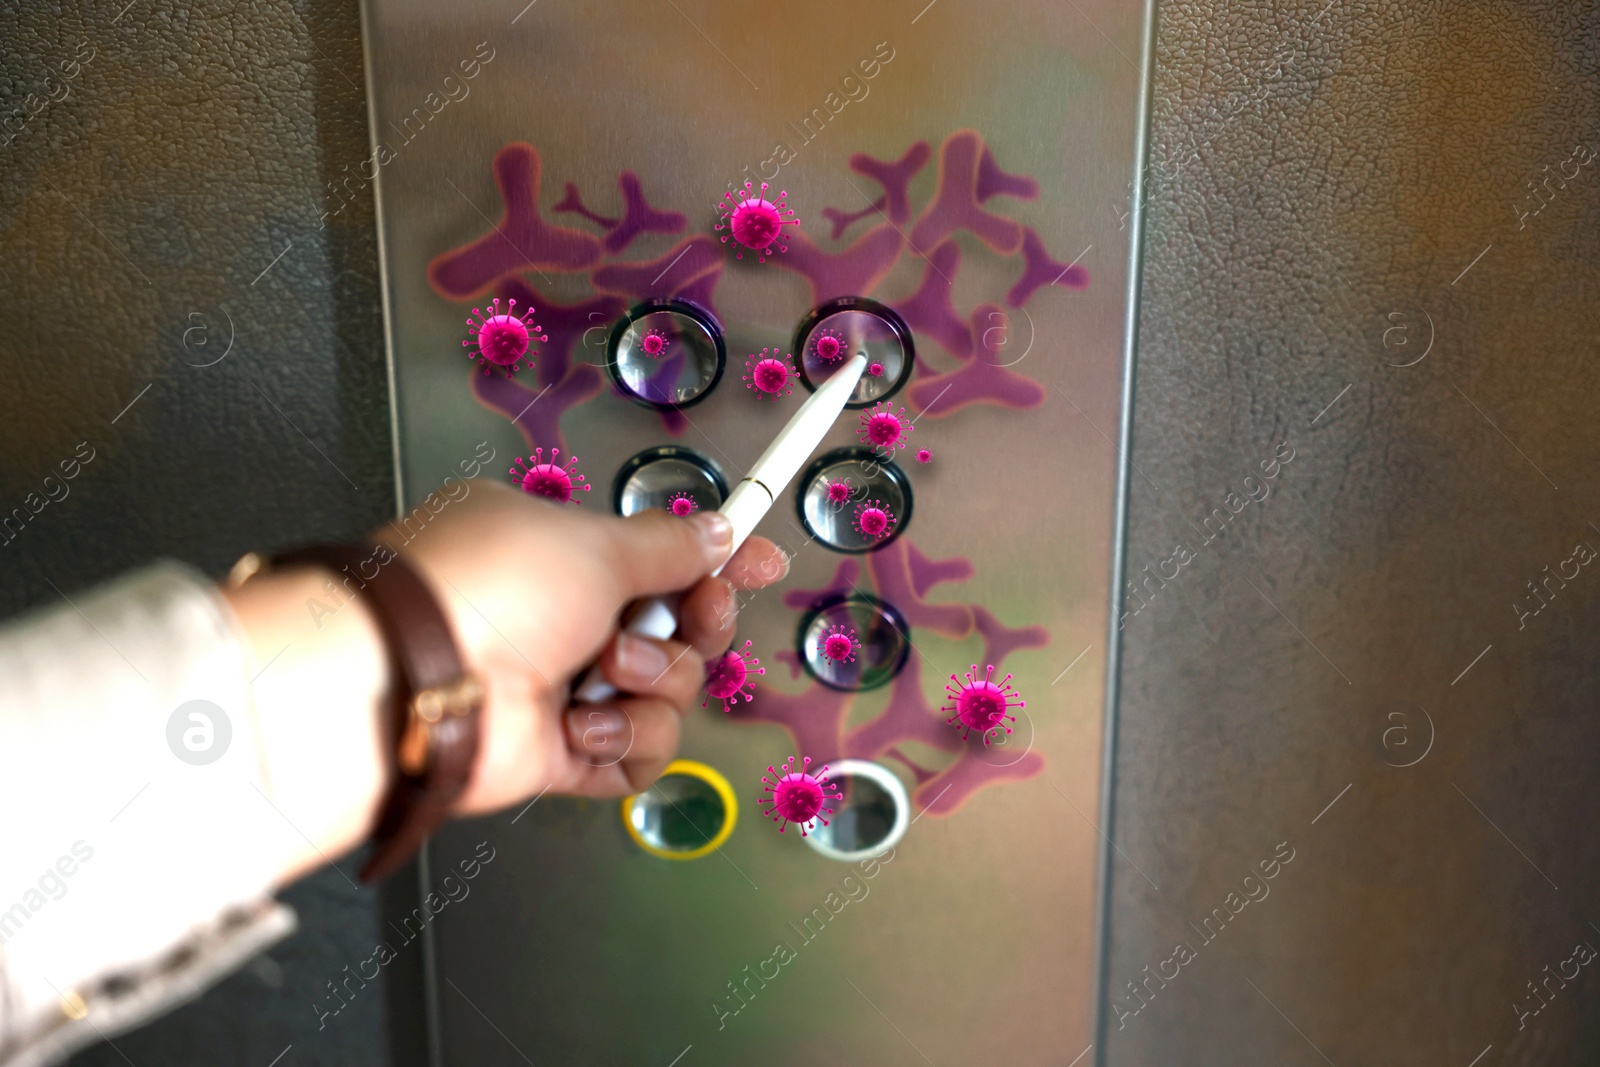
798, 797
979, 704
754, 222
682, 504
883, 428
828, 346
924, 456
770, 374
875, 370
732, 675
654, 344
840, 645
839, 492
551, 479
874, 520
502, 339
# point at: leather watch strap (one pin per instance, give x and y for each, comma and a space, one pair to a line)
432, 726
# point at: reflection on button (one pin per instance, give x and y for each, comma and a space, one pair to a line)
853, 642
854, 501
686, 814
666, 353
852, 325
669, 477
872, 817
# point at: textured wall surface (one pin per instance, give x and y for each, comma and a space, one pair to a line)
163, 171
1347, 262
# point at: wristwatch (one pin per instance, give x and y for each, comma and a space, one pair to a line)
432, 720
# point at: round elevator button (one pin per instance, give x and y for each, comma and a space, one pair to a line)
666, 353
852, 325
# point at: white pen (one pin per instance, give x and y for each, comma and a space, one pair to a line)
769, 476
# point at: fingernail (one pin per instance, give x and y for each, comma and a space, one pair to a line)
598, 730
715, 530
786, 559
641, 658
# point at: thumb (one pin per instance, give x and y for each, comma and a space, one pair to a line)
654, 552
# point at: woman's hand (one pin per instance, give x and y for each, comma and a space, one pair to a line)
533, 591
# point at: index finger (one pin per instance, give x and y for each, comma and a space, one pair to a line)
654, 552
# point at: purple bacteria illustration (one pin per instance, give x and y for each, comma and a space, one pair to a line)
929, 311
682, 504
638, 216
572, 203
1040, 271
924, 455
895, 177
520, 241
957, 204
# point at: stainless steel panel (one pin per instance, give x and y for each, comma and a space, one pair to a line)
1007, 252
1372, 242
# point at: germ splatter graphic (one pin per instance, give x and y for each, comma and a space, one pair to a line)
839, 492
755, 222
573, 202
874, 520
854, 271
638, 216
929, 311
503, 338
770, 374
509, 253
729, 674
979, 704
521, 240
883, 428
992, 181
797, 796
956, 202
1039, 271
875, 370
681, 504
895, 177
551, 479
840, 645
924, 456
673, 273
828, 346
654, 344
